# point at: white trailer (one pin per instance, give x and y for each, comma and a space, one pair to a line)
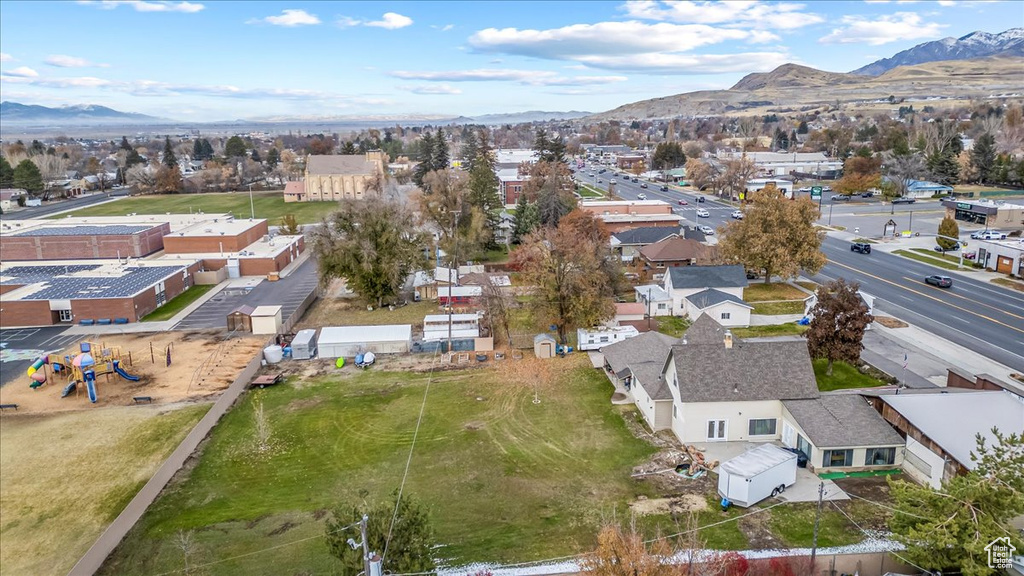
756, 474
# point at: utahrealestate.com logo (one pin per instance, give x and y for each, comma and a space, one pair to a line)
1000, 552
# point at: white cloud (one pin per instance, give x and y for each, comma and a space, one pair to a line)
883, 29
146, 6
737, 13
22, 72
4, 57
288, 18
64, 61
389, 21
526, 77
690, 63
946, 3
444, 28
439, 89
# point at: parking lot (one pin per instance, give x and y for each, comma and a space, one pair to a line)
19, 347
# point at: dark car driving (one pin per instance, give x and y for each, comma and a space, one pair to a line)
862, 247
940, 281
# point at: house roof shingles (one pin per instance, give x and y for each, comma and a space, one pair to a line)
749, 370
842, 420
645, 235
673, 249
733, 276
645, 356
711, 297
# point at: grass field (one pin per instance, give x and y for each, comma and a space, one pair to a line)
843, 376
951, 257
505, 479
776, 308
761, 292
928, 259
347, 312
587, 191
178, 303
791, 329
672, 325
270, 205
64, 477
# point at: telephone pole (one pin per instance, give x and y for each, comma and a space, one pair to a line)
817, 519
366, 547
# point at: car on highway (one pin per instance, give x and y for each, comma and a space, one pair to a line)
862, 247
700, 198
940, 281
737, 214
683, 202
641, 196
867, 194
707, 230
804, 189
702, 213
598, 180
989, 235
636, 180
644, 185
840, 198
904, 200
613, 181
938, 248
664, 188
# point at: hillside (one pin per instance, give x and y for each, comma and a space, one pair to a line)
971, 46
791, 87
16, 113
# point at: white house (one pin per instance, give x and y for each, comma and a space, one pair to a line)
684, 281
710, 386
655, 299
436, 326
758, 184
595, 338
724, 308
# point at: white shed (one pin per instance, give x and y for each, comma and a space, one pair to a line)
304, 344
435, 326
342, 341
266, 320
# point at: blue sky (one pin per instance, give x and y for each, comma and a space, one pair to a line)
211, 60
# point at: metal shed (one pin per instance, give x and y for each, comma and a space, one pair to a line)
544, 346
304, 344
342, 341
240, 319
266, 320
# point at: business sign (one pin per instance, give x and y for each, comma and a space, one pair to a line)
963, 205
815, 192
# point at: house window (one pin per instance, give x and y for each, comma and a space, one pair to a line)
837, 458
604, 338
675, 412
879, 456
762, 427
725, 315
65, 315
661, 306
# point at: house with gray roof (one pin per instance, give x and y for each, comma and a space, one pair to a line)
710, 386
727, 309
628, 243
684, 281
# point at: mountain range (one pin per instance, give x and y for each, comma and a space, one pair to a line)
16, 113
974, 45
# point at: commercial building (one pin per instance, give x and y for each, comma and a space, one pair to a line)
335, 177
995, 215
619, 216
804, 164
1006, 256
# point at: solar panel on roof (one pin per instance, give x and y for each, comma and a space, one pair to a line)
62, 287
84, 230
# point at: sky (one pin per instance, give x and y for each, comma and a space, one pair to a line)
200, 60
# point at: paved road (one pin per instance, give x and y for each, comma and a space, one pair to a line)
288, 292
977, 315
50, 208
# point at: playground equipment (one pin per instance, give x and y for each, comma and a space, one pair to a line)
82, 368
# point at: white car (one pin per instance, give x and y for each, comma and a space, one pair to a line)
737, 214
989, 235
707, 230
641, 196
702, 213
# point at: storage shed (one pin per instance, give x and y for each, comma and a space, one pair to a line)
266, 320
544, 346
240, 319
342, 341
304, 344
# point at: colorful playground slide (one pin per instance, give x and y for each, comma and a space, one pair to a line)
120, 372
90, 384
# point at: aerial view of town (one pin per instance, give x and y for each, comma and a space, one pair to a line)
510, 288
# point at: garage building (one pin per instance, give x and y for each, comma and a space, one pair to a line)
347, 341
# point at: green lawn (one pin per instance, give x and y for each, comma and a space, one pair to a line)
672, 325
268, 205
496, 256
587, 191
952, 257
934, 261
761, 292
791, 329
793, 524
505, 479
178, 303
775, 308
843, 376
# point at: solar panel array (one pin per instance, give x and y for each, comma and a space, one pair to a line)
59, 287
108, 230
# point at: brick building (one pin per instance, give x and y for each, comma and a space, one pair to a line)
619, 216
49, 240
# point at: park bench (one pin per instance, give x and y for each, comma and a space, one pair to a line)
142, 399
6, 406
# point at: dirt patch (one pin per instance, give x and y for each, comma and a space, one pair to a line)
890, 322
282, 528
618, 397
678, 505
758, 531
319, 513
202, 365
659, 472
475, 425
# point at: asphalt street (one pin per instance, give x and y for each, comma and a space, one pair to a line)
975, 314
19, 347
50, 208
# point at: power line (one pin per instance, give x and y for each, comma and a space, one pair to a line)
865, 532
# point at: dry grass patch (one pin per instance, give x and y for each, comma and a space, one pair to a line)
64, 477
1009, 283
890, 322
761, 292
353, 312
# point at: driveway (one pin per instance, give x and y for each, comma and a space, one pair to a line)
19, 347
806, 487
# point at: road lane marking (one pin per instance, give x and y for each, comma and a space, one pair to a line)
974, 301
939, 300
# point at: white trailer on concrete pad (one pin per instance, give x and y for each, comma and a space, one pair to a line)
758, 473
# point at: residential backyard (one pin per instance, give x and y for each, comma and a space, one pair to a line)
843, 376
270, 205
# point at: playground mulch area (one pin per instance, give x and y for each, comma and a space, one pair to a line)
201, 365
65, 476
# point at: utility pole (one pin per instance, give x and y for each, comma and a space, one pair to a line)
366, 547
455, 231
252, 208
817, 519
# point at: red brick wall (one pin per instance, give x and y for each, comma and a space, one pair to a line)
5, 288
98, 308
27, 313
174, 244
85, 246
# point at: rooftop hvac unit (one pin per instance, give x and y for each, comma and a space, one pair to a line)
208, 230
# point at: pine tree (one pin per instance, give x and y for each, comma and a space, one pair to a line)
527, 219
440, 157
483, 185
983, 156
124, 144
273, 157
207, 149
26, 175
133, 158
425, 165
234, 147
6, 173
943, 167
255, 155
170, 160
197, 149
349, 149
469, 151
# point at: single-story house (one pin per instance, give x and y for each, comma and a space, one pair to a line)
627, 244
436, 326
9, 197
636, 364
940, 427
347, 341
840, 431
725, 308
671, 252
685, 281
595, 338
925, 189
629, 311
458, 294
655, 299
425, 282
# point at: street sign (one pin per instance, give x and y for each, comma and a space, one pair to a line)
815, 192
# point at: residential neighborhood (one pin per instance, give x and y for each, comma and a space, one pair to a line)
638, 288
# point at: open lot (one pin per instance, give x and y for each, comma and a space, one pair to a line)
330, 311
270, 205
64, 477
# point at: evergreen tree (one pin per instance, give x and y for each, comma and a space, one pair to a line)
541, 144
124, 144
37, 148
170, 160
668, 155
6, 173
943, 167
948, 227
133, 158
197, 149
255, 155
425, 165
349, 149
802, 127
273, 157
440, 157
401, 526
26, 175
483, 185
527, 219
234, 147
469, 150
983, 156
207, 149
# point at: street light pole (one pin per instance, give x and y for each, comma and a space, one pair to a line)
830, 214
252, 207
